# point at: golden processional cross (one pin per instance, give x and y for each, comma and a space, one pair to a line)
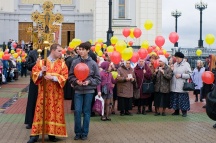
47, 21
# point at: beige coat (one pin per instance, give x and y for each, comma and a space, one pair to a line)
184, 69
124, 88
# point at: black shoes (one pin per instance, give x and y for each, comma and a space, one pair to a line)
33, 139
128, 113
175, 113
77, 137
28, 126
157, 114
214, 126
163, 114
143, 112
80, 137
52, 138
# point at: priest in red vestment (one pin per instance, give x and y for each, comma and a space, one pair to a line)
56, 76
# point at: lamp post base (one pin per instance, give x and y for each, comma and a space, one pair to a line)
109, 35
200, 43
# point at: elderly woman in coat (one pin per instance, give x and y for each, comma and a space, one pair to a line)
179, 97
125, 81
197, 79
142, 73
162, 76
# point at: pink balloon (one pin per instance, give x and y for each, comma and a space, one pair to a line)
137, 32
173, 37
126, 32
159, 41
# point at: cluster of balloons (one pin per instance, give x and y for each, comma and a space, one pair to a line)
74, 43
136, 32
19, 53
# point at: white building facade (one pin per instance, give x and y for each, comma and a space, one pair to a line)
84, 19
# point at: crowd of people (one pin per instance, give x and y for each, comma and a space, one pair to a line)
121, 93
131, 87
13, 64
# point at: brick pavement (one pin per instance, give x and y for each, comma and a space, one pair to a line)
196, 128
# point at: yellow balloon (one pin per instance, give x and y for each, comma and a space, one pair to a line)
15, 55
209, 39
164, 51
100, 40
153, 53
126, 54
1, 54
12, 51
99, 53
110, 49
114, 74
104, 46
131, 33
91, 41
130, 48
97, 47
114, 40
145, 45
198, 52
120, 46
157, 48
148, 24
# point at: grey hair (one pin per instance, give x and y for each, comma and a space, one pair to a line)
201, 63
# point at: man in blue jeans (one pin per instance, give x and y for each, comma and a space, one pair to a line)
84, 91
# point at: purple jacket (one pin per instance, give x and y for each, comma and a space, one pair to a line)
139, 78
106, 78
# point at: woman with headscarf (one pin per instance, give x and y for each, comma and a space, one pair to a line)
162, 76
105, 89
179, 97
125, 81
142, 73
197, 79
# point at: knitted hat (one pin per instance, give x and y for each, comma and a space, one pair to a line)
163, 59
179, 54
105, 65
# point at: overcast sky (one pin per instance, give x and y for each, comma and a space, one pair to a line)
188, 22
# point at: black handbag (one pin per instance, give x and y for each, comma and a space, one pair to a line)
189, 86
148, 87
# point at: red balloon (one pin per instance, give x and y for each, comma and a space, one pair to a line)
160, 52
135, 58
156, 64
81, 71
167, 55
159, 41
63, 51
137, 32
150, 49
6, 56
126, 32
93, 48
173, 37
115, 57
130, 43
14, 45
208, 77
23, 54
142, 53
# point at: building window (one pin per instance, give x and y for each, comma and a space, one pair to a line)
121, 8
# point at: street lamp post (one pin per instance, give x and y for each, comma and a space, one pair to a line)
200, 6
176, 14
110, 32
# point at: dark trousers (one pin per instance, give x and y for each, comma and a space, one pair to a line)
124, 104
23, 71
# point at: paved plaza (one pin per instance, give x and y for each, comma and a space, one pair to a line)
195, 128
